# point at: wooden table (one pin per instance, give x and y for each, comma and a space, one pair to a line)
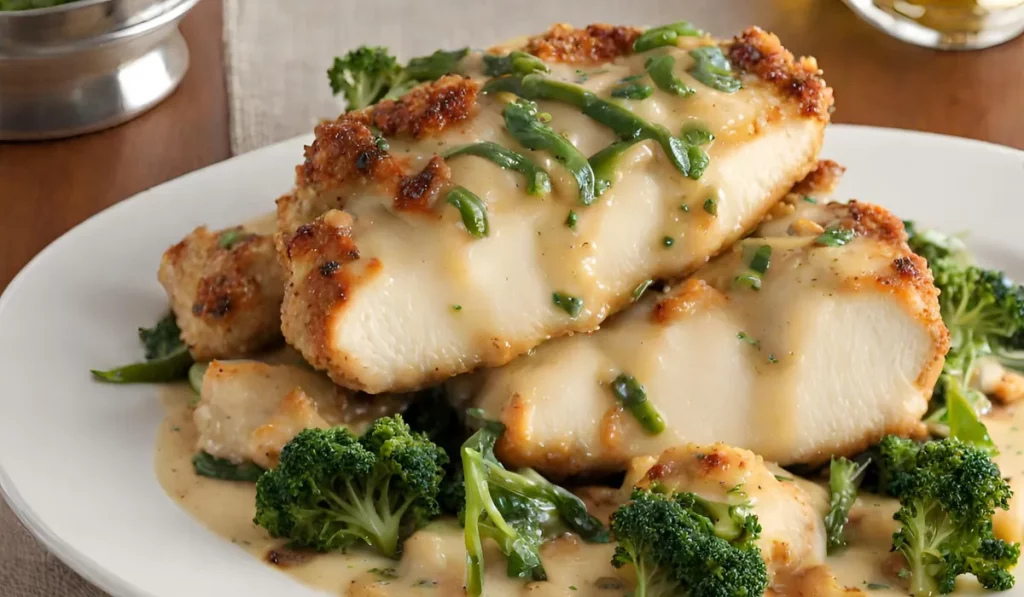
47, 188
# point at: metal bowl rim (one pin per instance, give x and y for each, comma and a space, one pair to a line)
169, 16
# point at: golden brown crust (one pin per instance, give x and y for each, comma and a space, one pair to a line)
320, 254
908, 278
694, 295
428, 109
346, 151
225, 298
593, 44
823, 180
761, 53
419, 191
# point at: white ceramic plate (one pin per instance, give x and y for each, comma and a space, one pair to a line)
76, 457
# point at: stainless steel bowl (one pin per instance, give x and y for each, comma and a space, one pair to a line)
87, 65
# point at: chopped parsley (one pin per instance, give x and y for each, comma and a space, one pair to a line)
571, 220
640, 289
746, 338
568, 303
711, 206
634, 398
835, 236
668, 241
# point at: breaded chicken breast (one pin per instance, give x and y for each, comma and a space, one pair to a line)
225, 290
414, 253
814, 337
249, 410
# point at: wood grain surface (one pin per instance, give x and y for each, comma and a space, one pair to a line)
46, 188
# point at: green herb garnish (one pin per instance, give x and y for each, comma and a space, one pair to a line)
633, 396
167, 357
568, 303
524, 125
660, 69
225, 470
712, 68
835, 236
472, 210
632, 91
666, 35
537, 180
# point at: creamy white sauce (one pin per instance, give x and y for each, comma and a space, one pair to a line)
434, 557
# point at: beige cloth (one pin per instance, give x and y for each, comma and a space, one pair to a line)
278, 52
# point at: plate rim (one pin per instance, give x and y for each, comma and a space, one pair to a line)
110, 582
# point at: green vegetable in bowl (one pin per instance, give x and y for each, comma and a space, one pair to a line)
31, 4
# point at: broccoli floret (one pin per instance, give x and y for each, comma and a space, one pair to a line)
948, 491
984, 312
935, 246
675, 549
332, 489
982, 308
432, 414
844, 479
364, 75
367, 75
518, 510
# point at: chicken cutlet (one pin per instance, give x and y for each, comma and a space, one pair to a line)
225, 290
816, 336
463, 224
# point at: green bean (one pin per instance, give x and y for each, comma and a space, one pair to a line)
472, 210
537, 180
195, 376
660, 69
568, 303
621, 121
514, 63
632, 91
633, 396
666, 35
712, 68
526, 127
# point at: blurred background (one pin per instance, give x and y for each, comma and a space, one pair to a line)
256, 75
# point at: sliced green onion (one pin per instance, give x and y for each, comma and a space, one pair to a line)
633, 396
762, 259
746, 338
660, 69
568, 303
666, 35
537, 180
835, 236
713, 69
748, 279
472, 210
641, 289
